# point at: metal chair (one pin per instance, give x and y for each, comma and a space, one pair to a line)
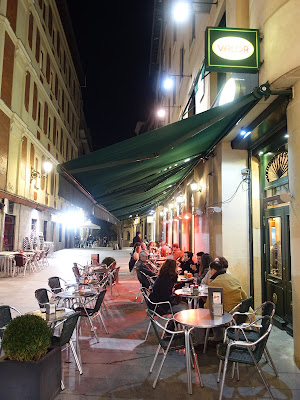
42, 297
20, 262
78, 271
113, 277
92, 313
65, 339
157, 308
5, 318
168, 340
245, 352
55, 284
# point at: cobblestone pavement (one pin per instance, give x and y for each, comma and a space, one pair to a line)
117, 367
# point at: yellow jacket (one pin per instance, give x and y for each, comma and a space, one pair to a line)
233, 293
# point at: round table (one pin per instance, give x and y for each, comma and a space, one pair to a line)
70, 295
192, 298
59, 315
198, 318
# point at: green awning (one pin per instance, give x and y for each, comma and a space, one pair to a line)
137, 174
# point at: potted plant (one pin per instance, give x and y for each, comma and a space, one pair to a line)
30, 369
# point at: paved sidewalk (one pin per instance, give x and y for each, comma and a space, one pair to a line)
118, 366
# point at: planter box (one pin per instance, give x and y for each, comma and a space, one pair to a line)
31, 380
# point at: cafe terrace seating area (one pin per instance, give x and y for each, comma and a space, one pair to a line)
114, 357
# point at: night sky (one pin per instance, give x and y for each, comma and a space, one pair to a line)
114, 39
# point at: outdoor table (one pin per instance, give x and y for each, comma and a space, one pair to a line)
197, 318
191, 297
70, 295
59, 315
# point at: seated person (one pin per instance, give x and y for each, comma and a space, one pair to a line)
206, 259
164, 250
233, 294
207, 278
187, 261
197, 266
134, 255
141, 265
177, 253
163, 289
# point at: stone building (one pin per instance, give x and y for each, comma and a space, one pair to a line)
41, 118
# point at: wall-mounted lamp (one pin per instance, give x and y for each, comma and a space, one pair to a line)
161, 112
182, 9
179, 198
168, 82
47, 167
195, 187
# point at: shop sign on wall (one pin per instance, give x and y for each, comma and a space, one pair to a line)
231, 50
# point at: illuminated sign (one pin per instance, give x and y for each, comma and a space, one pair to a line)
231, 50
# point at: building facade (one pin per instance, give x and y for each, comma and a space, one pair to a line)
40, 117
244, 203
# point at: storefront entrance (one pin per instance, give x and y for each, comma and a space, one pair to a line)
278, 287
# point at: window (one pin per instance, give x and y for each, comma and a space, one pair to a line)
49, 128
181, 61
51, 82
45, 231
60, 232
42, 61
39, 115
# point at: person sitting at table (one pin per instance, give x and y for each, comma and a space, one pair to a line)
206, 259
134, 255
197, 266
207, 278
176, 252
163, 289
164, 249
141, 265
187, 262
233, 294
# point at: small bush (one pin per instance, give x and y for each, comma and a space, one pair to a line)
26, 338
108, 260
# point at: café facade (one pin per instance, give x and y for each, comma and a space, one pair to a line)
219, 174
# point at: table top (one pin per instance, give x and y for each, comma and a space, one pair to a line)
72, 294
60, 314
182, 278
201, 292
201, 318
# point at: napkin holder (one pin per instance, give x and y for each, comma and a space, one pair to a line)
216, 301
50, 308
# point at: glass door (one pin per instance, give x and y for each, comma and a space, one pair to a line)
278, 265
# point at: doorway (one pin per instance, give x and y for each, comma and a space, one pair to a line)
9, 232
278, 286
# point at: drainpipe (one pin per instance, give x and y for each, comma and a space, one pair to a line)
250, 223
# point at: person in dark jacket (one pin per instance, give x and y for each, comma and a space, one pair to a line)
163, 289
187, 261
198, 266
141, 266
137, 238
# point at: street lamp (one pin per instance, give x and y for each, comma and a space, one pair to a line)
168, 82
161, 112
182, 9
47, 167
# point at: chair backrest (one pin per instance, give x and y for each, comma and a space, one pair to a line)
42, 297
244, 307
99, 300
54, 284
265, 326
5, 315
115, 275
95, 259
268, 308
68, 328
160, 330
161, 308
144, 279
76, 272
20, 260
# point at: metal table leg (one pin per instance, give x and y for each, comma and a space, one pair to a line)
188, 359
